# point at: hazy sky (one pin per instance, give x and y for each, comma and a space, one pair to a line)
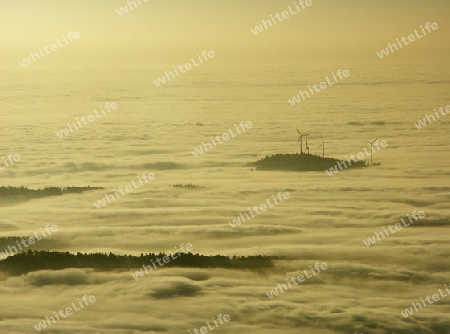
170, 32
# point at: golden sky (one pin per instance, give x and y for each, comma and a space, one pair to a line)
170, 32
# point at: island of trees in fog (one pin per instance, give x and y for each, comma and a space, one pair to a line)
33, 260
298, 162
18, 194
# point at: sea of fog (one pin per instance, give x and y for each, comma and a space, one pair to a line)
326, 218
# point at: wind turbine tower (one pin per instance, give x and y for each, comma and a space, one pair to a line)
323, 146
300, 139
307, 147
371, 149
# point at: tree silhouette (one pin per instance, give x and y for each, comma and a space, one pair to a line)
33, 260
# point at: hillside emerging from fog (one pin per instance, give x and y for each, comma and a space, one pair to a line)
19, 194
300, 162
25, 262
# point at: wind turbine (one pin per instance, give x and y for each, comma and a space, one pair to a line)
371, 149
300, 139
323, 146
307, 147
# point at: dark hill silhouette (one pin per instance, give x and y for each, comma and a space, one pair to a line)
33, 260
299, 162
19, 194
